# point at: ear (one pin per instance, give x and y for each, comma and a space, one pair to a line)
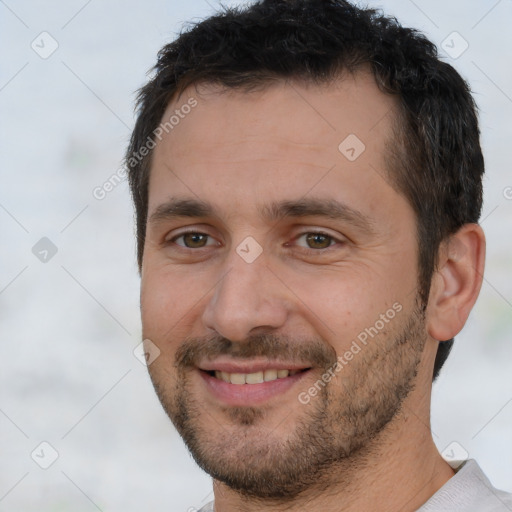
456, 282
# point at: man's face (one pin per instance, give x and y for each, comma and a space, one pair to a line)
272, 252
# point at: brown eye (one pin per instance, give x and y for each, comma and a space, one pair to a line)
192, 240
318, 240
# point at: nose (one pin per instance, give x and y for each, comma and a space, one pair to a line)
247, 299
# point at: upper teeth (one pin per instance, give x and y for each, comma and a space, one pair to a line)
254, 378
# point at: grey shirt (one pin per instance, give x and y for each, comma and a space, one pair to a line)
468, 490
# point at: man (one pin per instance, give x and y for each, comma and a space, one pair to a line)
307, 183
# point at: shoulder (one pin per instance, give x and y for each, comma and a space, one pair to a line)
467, 491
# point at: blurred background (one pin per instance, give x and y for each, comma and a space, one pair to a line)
80, 426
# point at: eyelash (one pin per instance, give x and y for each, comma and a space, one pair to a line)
307, 249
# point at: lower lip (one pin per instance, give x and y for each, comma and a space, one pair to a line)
249, 394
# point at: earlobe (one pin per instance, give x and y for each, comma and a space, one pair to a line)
456, 282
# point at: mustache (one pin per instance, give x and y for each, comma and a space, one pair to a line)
312, 352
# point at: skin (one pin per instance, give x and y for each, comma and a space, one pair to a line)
238, 151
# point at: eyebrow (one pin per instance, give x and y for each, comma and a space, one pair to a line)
272, 212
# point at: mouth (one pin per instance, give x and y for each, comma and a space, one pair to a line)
268, 375
250, 384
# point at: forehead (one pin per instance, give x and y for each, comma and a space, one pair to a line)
303, 112
275, 141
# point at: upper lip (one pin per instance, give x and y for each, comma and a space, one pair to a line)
249, 366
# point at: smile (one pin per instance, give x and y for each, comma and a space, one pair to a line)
250, 383
254, 378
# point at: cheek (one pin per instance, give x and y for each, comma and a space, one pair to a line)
166, 303
342, 304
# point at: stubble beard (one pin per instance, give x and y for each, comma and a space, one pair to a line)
335, 431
